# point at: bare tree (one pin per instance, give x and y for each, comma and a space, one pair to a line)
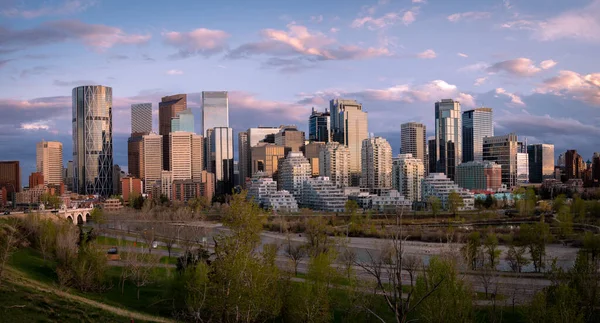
10, 238
169, 234
148, 236
295, 252
140, 268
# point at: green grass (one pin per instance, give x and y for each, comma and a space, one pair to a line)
168, 261
31, 263
110, 241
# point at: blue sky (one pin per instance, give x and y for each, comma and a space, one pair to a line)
534, 62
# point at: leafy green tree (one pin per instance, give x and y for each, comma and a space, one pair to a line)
472, 250
455, 202
591, 246
535, 236
516, 258
492, 252
50, 201
557, 304
10, 240
578, 208
559, 202
316, 235
565, 221
489, 201
435, 205
351, 207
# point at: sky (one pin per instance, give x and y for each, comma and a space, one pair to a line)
535, 62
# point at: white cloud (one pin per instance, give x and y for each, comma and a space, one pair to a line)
200, 41
39, 125
476, 67
316, 19
480, 81
69, 7
419, 1
174, 72
470, 15
462, 55
427, 54
515, 100
334, 30
406, 17
547, 64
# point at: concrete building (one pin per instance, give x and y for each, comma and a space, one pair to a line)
503, 151
334, 163
311, 152
117, 175
293, 172
141, 118
112, 205
69, 175
478, 175
221, 158
36, 179
407, 174
10, 178
215, 110
49, 161
476, 125
388, 200
152, 160
168, 108
574, 165
431, 156
376, 164
184, 190
166, 184
266, 158
291, 138
319, 193
448, 136
595, 169
251, 138
349, 126
183, 121
522, 168
131, 186
243, 154
281, 201
541, 162
413, 139
260, 187
440, 186
135, 155
92, 140
186, 155
319, 126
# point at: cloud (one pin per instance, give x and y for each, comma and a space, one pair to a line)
480, 81
581, 87
468, 16
523, 67
427, 54
73, 83
515, 100
40, 125
36, 70
3, 62
97, 37
334, 30
68, 7
316, 19
407, 17
547, 64
534, 125
174, 72
419, 1
476, 67
39, 113
462, 55
201, 41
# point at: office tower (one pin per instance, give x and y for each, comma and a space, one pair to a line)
440, 186
349, 126
293, 171
595, 168
215, 110
503, 151
221, 158
479, 175
243, 154
407, 174
184, 190
431, 156
197, 156
168, 108
183, 121
69, 175
151, 160
476, 125
141, 118
448, 136
334, 163
561, 160
413, 139
574, 165
49, 161
117, 180
36, 179
186, 155
92, 140
135, 155
522, 168
376, 164
319, 126
311, 152
541, 162
254, 137
290, 138
131, 187
266, 158
166, 184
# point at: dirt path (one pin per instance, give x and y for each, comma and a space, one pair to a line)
20, 279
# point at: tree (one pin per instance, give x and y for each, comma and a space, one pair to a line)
140, 267
489, 201
295, 252
455, 202
10, 240
169, 234
50, 201
435, 204
472, 250
559, 202
316, 235
490, 245
516, 258
565, 221
578, 208
591, 246
46, 238
535, 236
351, 207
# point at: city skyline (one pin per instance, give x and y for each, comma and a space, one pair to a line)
517, 76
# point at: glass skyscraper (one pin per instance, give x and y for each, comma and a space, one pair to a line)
541, 162
141, 118
319, 126
168, 108
448, 136
215, 110
221, 158
184, 121
476, 125
92, 140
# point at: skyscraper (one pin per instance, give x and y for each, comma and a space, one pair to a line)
141, 118
334, 163
243, 153
186, 155
135, 155
349, 126
376, 164
319, 126
215, 110
413, 138
503, 150
595, 168
407, 174
253, 137
476, 125
168, 108
448, 136
291, 138
10, 178
49, 161
311, 152
266, 158
574, 164
92, 140
151, 160
183, 121
431, 156
221, 158
541, 162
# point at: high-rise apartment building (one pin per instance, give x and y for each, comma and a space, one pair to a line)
311, 152
476, 125
541, 162
141, 118
131, 187
448, 136
293, 171
407, 174
478, 175
319, 126
221, 158
319, 193
266, 158
151, 160
291, 138
92, 140
183, 121
503, 150
440, 186
349, 126
574, 165
168, 108
215, 110
376, 164
49, 161
595, 168
334, 163
413, 139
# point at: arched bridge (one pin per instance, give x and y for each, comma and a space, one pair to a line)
76, 216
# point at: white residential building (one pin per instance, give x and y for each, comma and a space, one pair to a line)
439, 185
293, 171
376, 164
334, 162
260, 187
281, 201
407, 174
321, 194
386, 200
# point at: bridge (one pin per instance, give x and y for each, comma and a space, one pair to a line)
75, 216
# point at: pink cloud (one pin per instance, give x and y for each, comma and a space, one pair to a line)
470, 15
427, 54
515, 100
584, 88
520, 67
200, 41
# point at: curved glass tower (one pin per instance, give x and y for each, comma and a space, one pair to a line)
92, 140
